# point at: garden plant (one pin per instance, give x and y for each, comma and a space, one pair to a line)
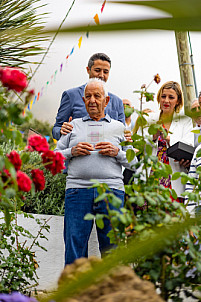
175, 269
152, 232
20, 37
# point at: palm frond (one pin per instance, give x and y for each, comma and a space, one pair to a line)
21, 31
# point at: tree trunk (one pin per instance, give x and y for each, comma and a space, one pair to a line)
186, 71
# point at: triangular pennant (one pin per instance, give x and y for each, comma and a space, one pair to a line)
80, 42
31, 103
96, 19
38, 96
102, 8
72, 50
34, 99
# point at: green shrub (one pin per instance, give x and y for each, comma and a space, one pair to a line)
50, 201
17, 257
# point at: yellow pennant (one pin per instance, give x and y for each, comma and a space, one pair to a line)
80, 42
31, 103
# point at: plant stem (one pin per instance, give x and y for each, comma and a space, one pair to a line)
110, 218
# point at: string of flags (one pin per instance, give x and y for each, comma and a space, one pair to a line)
39, 94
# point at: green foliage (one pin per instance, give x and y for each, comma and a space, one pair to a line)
127, 253
49, 201
44, 128
18, 263
185, 16
149, 208
20, 31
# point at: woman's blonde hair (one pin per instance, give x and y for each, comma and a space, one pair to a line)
176, 87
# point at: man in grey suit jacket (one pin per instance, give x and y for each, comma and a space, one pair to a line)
72, 105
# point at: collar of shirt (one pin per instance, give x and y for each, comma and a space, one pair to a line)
105, 118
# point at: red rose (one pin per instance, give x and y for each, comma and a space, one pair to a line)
13, 78
15, 159
38, 143
38, 179
6, 178
55, 160
23, 181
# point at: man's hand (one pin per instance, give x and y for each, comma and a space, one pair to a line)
127, 135
66, 127
82, 149
107, 149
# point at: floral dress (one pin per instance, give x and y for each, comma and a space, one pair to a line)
162, 156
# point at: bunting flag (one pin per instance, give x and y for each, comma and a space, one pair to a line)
102, 8
31, 103
41, 91
96, 19
79, 42
61, 66
72, 50
34, 99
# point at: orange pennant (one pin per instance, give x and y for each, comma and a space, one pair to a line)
96, 19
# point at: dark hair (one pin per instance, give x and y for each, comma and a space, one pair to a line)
98, 56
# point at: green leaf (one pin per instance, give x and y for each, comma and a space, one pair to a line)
139, 201
174, 194
130, 155
149, 96
196, 131
176, 175
148, 149
153, 128
25, 157
89, 216
139, 227
100, 223
101, 197
115, 201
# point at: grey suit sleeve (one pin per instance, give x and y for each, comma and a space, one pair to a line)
64, 112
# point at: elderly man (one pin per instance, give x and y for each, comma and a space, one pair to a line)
72, 106
93, 151
196, 108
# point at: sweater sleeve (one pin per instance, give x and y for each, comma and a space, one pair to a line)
63, 146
